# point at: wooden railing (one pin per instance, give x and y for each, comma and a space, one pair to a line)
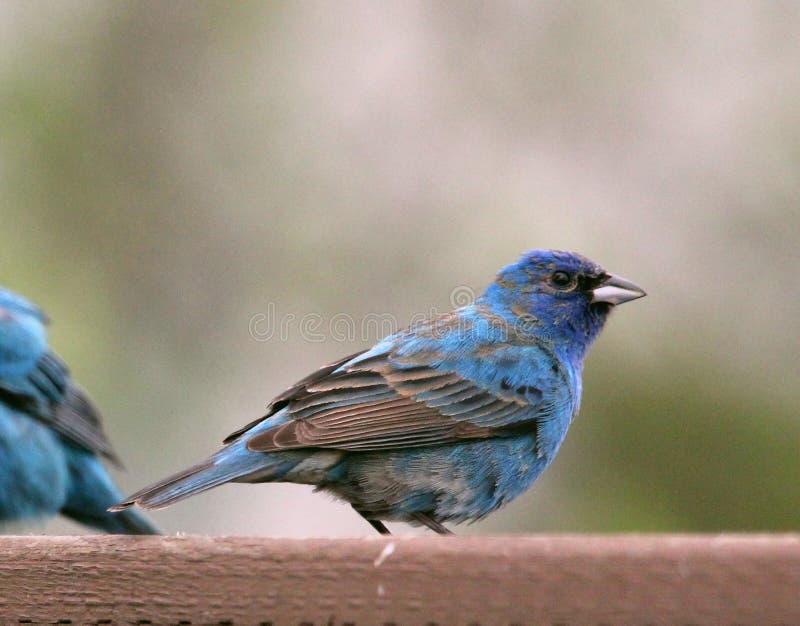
446, 581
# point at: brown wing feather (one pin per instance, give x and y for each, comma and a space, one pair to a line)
386, 400
373, 406
48, 393
78, 419
296, 390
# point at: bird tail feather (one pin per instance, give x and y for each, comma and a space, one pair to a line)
128, 522
194, 480
134, 523
234, 463
91, 490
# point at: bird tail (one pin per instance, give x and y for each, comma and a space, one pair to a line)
92, 491
196, 479
129, 522
233, 463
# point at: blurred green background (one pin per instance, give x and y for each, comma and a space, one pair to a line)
170, 170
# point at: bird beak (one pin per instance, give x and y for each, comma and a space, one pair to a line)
616, 290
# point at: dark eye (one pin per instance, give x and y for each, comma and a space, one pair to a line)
562, 280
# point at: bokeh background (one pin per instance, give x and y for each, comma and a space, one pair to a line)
168, 171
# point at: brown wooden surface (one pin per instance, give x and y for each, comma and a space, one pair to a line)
447, 581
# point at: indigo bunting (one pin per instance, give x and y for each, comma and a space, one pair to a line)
445, 421
50, 433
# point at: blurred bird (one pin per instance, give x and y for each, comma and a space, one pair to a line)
443, 422
50, 433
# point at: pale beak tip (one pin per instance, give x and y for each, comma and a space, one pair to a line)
617, 290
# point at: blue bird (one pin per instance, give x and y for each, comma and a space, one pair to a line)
445, 421
50, 433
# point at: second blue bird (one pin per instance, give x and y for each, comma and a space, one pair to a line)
445, 421
51, 435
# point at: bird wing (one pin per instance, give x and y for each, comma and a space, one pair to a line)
47, 393
407, 393
78, 419
34, 380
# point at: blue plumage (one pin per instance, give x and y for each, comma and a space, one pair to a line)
445, 421
50, 433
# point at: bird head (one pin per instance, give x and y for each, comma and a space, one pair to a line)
567, 295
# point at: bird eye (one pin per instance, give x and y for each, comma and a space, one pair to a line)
562, 280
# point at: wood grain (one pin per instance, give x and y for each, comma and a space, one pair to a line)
446, 581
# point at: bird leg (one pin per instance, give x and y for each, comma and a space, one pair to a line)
427, 520
376, 524
379, 526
